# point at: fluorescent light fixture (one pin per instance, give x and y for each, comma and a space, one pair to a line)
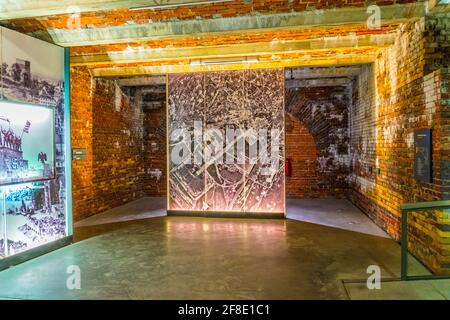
223, 61
181, 4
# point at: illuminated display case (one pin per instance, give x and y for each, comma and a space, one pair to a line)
35, 185
27, 143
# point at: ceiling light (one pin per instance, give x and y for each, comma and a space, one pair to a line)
223, 61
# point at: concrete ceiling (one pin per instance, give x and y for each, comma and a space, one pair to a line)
66, 31
309, 83
14, 9
236, 50
111, 40
320, 73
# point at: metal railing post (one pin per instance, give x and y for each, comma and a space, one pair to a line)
404, 245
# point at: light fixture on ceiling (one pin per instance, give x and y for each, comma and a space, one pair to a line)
223, 61
181, 4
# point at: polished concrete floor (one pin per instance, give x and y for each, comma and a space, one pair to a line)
134, 252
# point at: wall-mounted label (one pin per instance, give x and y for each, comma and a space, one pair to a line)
79, 154
422, 155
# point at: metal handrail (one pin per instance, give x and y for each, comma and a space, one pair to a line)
407, 208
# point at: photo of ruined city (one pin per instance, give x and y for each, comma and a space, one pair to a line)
226, 187
26, 143
32, 76
35, 213
2, 236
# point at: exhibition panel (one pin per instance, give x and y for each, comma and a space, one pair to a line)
226, 142
34, 138
21, 126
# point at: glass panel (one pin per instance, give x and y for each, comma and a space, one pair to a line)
428, 242
2, 226
26, 143
32, 143
34, 215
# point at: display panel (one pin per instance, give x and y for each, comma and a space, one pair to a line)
34, 215
2, 230
35, 206
226, 141
26, 143
32, 70
225, 182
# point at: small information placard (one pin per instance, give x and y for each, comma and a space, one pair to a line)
422, 155
79, 154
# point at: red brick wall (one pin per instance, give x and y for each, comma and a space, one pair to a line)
112, 131
81, 137
302, 152
155, 151
400, 93
317, 141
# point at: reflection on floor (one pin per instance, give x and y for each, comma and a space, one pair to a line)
338, 213
211, 258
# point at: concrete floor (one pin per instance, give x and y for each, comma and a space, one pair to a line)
336, 213
144, 255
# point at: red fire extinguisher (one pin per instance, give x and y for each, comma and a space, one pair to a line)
288, 167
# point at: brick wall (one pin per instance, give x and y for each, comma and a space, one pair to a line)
155, 160
445, 125
317, 141
399, 93
124, 132
304, 179
81, 137
111, 129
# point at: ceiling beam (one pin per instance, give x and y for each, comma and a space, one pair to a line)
249, 23
308, 83
318, 73
17, 9
235, 50
307, 61
442, 6
141, 82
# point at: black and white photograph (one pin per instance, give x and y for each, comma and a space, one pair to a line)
27, 151
35, 215
2, 235
32, 70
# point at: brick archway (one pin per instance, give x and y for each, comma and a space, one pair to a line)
304, 179
319, 117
